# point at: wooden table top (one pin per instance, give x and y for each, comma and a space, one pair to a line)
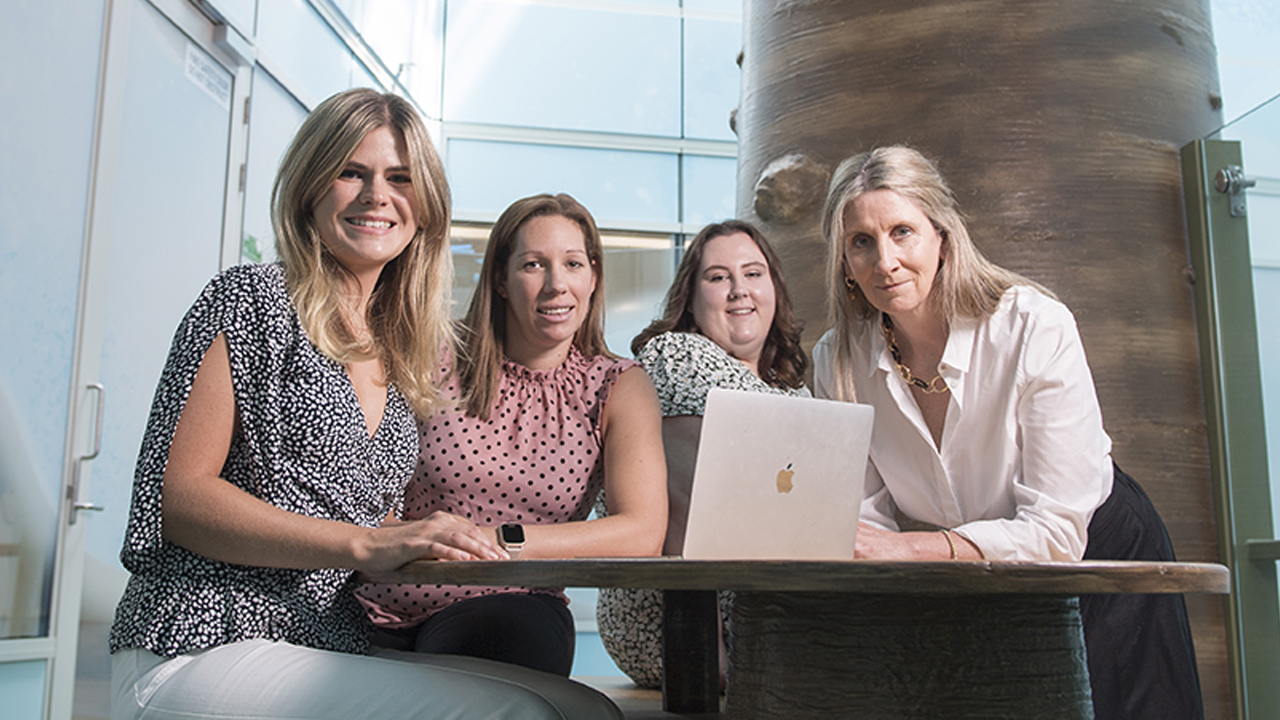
854, 576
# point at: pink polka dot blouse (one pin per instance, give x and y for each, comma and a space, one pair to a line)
536, 460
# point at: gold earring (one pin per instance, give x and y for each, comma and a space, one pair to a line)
851, 287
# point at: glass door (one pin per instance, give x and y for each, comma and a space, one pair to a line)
166, 192
1232, 182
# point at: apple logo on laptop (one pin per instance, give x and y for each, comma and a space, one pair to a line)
784, 479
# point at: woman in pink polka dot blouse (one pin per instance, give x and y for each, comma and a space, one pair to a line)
546, 417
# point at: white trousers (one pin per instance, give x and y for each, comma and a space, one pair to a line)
264, 680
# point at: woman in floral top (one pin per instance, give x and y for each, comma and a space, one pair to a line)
282, 434
728, 323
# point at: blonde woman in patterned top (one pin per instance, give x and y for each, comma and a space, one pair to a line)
728, 323
546, 418
281, 435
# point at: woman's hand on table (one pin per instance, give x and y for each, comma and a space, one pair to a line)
439, 536
879, 544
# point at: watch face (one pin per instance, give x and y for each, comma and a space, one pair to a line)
512, 534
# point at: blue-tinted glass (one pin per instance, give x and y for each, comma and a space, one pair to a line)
361, 77
710, 185
408, 36
636, 281
724, 6
566, 68
240, 13
1248, 55
294, 37
46, 151
274, 118
163, 116
712, 80
620, 188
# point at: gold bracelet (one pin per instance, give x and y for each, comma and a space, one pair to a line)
947, 534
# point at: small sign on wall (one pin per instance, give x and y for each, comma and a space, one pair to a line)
209, 76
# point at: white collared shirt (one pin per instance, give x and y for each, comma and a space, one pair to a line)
1024, 460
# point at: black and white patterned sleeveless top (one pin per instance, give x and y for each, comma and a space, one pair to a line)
302, 445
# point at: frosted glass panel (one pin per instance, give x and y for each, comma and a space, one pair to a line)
165, 234
274, 116
709, 187
560, 67
712, 79
618, 187
292, 35
46, 150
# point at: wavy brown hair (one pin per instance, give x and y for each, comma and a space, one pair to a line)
782, 360
408, 313
484, 328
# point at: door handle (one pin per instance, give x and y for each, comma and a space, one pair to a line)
73, 490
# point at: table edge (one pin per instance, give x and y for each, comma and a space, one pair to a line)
852, 576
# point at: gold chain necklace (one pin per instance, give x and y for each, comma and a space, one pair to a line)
933, 387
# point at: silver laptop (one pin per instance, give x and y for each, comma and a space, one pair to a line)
777, 478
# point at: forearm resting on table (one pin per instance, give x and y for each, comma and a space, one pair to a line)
212, 517
204, 513
877, 544
613, 536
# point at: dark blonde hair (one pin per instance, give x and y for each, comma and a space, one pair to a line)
479, 364
408, 314
782, 360
967, 283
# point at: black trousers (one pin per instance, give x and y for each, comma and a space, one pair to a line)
534, 631
1142, 663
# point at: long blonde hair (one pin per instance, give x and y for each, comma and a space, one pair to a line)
967, 283
408, 313
479, 365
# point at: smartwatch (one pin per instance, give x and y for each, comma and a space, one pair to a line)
511, 537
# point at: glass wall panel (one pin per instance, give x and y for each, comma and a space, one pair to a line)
570, 68
638, 268
1245, 33
621, 188
164, 237
46, 151
22, 688
724, 6
636, 281
294, 37
712, 80
1259, 136
274, 116
240, 13
361, 77
408, 35
709, 187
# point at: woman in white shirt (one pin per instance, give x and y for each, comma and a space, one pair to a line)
988, 433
